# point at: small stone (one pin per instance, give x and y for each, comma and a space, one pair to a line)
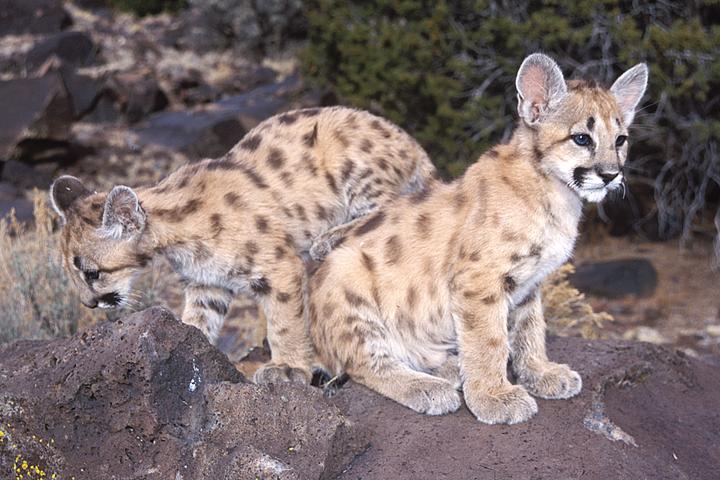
713, 330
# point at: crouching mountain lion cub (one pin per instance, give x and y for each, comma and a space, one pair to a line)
456, 267
242, 223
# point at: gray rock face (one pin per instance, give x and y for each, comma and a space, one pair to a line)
210, 131
34, 108
148, 397
32, 16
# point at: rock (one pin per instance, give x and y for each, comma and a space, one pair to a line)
32, 16
33, 108
645, 334
713, 330
644, 412
616, 278
138, 94
23, 176
210, 131
149, 397
71, 48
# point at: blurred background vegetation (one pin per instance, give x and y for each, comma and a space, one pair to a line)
445, 70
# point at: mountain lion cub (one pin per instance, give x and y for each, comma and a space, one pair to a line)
457, 267
243, 223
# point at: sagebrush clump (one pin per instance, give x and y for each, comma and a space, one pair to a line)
444, 71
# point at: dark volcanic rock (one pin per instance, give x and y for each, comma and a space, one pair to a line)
32, 16
38, 108
616, 278
210, 131
71, 48
644, 412
148, 397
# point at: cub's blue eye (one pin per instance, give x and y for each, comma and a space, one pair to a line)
582, 139
620, 140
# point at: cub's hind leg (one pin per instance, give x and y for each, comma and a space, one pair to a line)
205, 308
280, 294
530, 363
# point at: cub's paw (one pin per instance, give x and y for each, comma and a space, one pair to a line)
555, 381
511, 404
280, 373
432, 397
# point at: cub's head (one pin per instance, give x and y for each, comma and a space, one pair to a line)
99, 240
580, 129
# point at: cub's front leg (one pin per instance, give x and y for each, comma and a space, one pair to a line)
483, 340
205, 308
542, 378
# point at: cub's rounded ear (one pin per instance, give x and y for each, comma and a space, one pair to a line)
123, 217
629, 89
540, 85
64, 191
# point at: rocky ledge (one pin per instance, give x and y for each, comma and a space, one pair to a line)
148, 397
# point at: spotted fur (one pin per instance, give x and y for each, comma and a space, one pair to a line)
455, 269
243, 223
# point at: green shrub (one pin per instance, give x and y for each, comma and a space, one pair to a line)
445, 70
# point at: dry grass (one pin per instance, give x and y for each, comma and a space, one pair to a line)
567, 312
34, 299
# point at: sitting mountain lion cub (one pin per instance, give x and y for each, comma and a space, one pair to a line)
243, 223
457, 267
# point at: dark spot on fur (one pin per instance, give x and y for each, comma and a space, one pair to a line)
251, 143
490, 299
283, 297
459, 200
331, 183
493, 153
287, 118
515, 257
509, 283
320, 212
536, 250
254, 177
421, 195
261, 223
310, 138
260, 286
368, 262
221, 164
371, 224
309, 162
590, 123
422, 224
340, 137
382, 163
251, 248
216, 225
366, 145
217, 306
300, 212
376, 125
286, 177
393, 250
470, 293
347, 170
354, 299
276, 158
279, 252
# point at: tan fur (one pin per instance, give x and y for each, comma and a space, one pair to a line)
244, 223
456, 269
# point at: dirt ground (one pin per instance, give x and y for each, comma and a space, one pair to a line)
685, 307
